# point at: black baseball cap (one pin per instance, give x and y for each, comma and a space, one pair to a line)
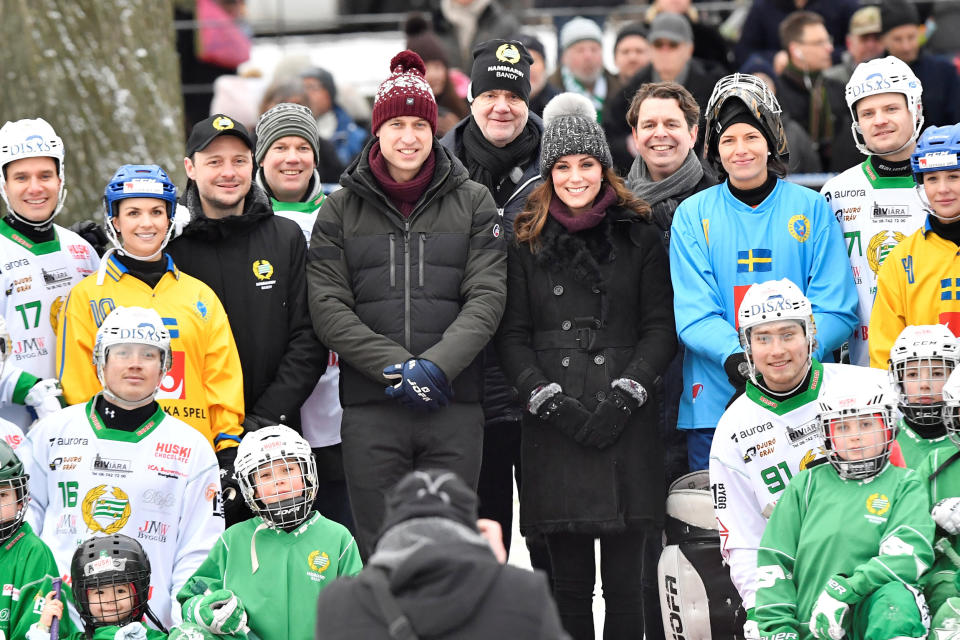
206, 131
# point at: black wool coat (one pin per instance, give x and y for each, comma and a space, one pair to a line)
586, 309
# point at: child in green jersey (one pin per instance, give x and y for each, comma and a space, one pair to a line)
846, 545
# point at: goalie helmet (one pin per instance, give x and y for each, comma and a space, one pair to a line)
858, 429
924, 355
759, 102
13, 489
131, 325
138, 181
114, 560
774, 301
884, 75
31, 138
277, 474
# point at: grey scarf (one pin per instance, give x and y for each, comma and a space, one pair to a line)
662, 196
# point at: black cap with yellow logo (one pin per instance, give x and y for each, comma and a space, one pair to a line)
501, 64
206, 131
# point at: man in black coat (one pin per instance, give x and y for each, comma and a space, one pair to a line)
433, 574
254, 261
499, 144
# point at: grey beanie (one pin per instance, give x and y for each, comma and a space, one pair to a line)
287, 119
571, 128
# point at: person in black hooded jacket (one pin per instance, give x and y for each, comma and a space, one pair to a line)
435, 574
255, 262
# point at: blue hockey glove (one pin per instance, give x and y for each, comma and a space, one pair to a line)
418, 384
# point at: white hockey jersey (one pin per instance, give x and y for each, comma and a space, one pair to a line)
36, 279
875, 213
759, 445
158, 484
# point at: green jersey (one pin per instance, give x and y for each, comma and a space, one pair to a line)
916, 448
938, 584
277, 575
109, 632
872, 532
27, 571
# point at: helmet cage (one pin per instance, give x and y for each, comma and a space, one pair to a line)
865, 466
20, 496
876, 77
260, 450
138, 181
110, 561
31, 138
759, 100
927, 348
131, 325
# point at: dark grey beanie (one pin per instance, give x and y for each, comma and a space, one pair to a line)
571, 128
286, 119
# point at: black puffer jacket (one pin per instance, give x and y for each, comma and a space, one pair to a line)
254, 262
587, 309
384, 288
499, 399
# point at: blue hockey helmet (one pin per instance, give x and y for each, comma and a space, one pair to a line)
137, 181
938, 149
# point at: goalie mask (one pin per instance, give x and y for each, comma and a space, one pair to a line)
774, 301
117, 571
13, 491
277, 474
858, 429
131, 326
921, 360
732, 95
31, 138
884, 75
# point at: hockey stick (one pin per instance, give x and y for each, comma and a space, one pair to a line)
943, 546
55, 623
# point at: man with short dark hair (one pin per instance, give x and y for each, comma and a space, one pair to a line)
254, 261
631, 51
811, 99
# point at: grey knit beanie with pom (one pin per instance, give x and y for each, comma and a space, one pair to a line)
571, 128
286, 119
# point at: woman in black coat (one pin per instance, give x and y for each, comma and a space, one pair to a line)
587, 332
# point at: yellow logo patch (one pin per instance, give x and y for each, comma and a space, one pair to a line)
262, 269
319, 561
878, 504
799, 227
105, 513
508, 53
222, 123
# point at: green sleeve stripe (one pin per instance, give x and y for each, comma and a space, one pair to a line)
23, 386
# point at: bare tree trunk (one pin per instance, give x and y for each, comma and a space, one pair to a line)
104, 73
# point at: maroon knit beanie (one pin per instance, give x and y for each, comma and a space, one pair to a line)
405, 93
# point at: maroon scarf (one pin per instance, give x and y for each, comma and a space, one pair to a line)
588, 219
403, 194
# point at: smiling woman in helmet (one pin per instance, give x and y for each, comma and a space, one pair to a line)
916, 282
751, 228
203, 382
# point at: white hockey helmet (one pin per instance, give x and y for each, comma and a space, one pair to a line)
31, 138
260, 448
884, 75
928, 347
774, 301
842, 416
131, 325
951, 406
